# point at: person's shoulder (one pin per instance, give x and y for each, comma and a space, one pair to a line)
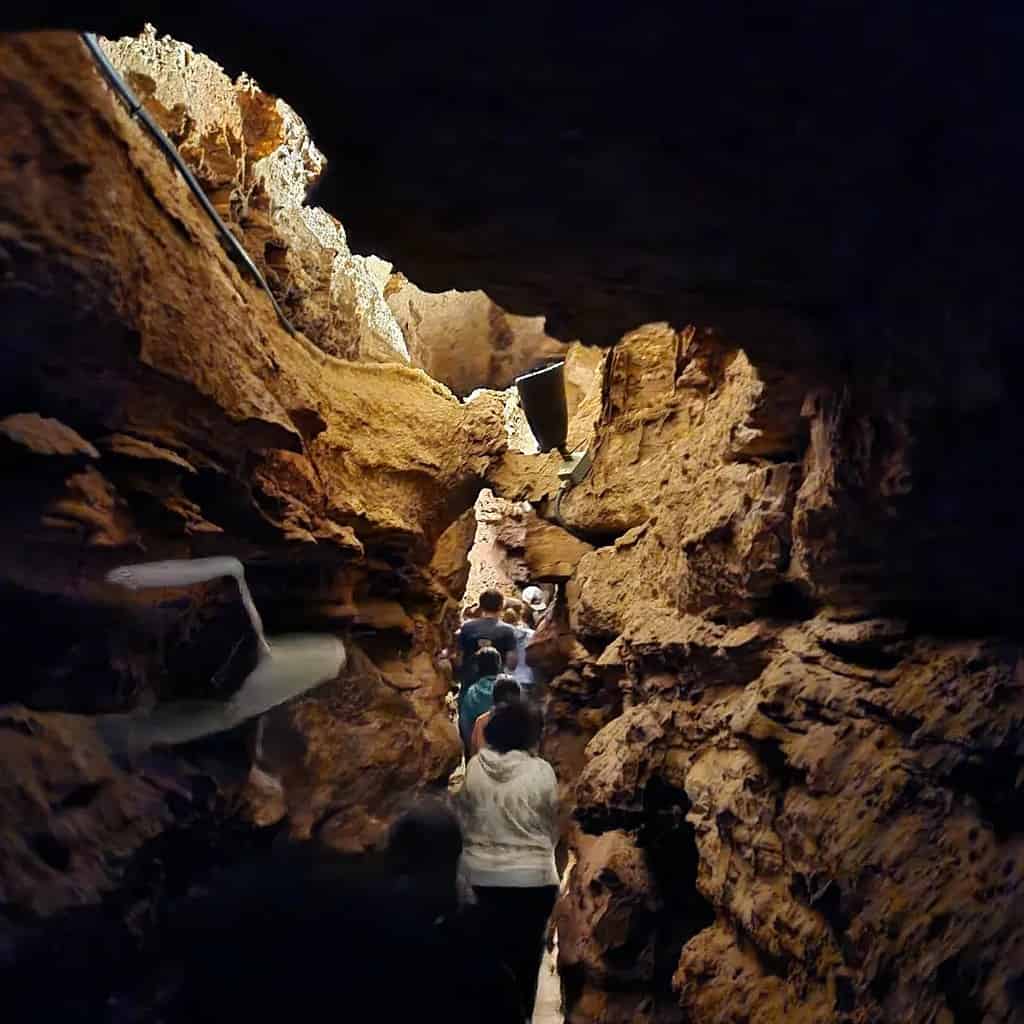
543, 770
469, 626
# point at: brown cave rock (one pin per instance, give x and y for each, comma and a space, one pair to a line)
781, 670
153, 407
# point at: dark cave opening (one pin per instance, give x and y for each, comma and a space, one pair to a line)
991, 779
670, 847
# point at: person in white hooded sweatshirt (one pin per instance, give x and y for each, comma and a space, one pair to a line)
509, 810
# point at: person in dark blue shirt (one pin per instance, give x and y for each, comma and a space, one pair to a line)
486, 631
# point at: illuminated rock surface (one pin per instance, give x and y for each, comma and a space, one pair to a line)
784, 685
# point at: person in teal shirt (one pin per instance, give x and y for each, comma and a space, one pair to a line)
479, 698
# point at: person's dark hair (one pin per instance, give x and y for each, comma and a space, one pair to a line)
488, 662
425, 838
506, 690
491, 601
514, 726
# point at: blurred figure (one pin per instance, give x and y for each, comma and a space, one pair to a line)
488, 631
523, 673
295, 936
424, 846
509, 810
478, 698
506, 690
534, 597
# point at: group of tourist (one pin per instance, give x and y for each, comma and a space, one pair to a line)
450, 921
508, 802
491, 657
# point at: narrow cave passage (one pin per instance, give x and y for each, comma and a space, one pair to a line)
777, 645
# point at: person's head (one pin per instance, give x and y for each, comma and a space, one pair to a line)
534, 597
491, 603
510, 615
514, 726
506, 690
488, 662
425, 839
312, 924
470, 612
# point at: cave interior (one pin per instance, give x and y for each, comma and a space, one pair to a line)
778, 254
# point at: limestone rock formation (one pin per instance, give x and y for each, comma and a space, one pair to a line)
152, 406
797, 777
551, 554
613, 903
257, 163
466, 341
494, 564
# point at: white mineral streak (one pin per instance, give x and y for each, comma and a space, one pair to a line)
183, 572
287, 668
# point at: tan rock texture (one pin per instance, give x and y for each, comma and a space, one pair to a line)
153, 407
256, 161
551, 553
797, 772
466, 341
495, 560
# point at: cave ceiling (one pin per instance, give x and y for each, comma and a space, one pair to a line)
849, 166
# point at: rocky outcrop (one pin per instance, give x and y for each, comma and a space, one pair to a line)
795, 765
551, 554
466, 341
255, 160
492, 564
152, 406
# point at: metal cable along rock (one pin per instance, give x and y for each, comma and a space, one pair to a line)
137, 110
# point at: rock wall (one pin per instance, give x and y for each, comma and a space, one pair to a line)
465, 340
788, 718
256, 162
151, 406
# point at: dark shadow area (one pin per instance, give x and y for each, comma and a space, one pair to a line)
79, 965
828, 164
670, 846
989, 779
959, 982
